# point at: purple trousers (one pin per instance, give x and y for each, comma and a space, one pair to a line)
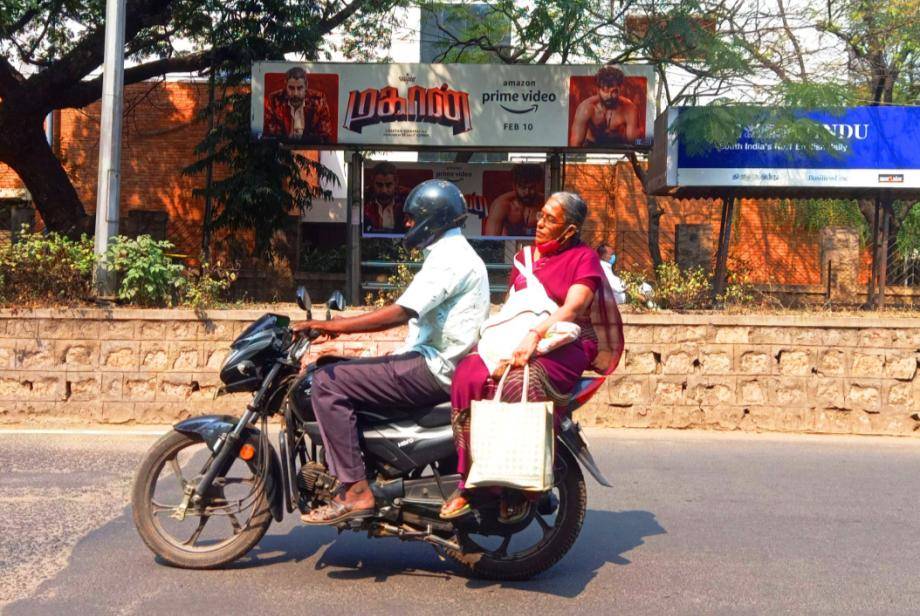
379, 384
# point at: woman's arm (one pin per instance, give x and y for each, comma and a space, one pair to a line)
577, 301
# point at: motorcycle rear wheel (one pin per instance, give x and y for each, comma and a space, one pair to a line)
558, 537
148, 513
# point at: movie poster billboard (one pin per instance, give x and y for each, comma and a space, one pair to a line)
502, 199
877, 149
418, 106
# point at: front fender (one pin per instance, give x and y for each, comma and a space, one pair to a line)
211, 427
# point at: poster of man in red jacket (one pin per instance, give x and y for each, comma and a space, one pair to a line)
298, 112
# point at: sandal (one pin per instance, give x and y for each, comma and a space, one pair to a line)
456, 506
334, 513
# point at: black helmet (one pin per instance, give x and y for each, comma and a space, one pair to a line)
435, 206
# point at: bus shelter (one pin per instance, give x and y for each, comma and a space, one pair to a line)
875, 156
456, 108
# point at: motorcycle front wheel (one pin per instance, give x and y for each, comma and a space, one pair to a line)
520, 551
231, 519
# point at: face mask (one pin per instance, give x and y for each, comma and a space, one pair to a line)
612, 260
553, 246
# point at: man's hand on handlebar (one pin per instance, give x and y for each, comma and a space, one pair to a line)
315, 330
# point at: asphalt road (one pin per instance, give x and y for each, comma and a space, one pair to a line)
697, 523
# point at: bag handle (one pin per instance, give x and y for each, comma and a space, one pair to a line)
501, 384
526, 269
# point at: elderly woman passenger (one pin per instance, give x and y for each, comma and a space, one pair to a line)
571, 273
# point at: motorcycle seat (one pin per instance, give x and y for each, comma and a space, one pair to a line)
426, 416
432, 416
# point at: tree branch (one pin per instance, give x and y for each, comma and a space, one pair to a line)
19, 24
89, 53
87, 92
10, 78
63, 84
792, 39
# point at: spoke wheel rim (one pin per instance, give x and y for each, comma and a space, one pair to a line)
549, 529
161, 511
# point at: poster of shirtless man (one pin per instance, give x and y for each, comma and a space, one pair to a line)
613, 115
515, 212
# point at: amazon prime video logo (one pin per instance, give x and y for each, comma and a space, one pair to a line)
527, 99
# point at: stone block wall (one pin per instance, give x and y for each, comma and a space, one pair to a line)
715, 371
783, 373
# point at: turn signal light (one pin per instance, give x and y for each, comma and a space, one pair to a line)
247, 452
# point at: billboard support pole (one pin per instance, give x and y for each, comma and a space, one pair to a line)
725, 234
353, 232
873, 274
555, 173
883, 252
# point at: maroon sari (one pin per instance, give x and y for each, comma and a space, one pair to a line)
555, 374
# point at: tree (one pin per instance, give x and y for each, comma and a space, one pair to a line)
262, 183
749, 62
48, 63
694, 38
862, 53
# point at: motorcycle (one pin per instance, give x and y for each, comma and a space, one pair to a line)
208, 490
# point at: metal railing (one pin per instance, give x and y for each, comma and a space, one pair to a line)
386, 286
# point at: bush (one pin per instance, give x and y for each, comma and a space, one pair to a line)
399, 280
47, 268
147, 276
685, 289
633, 283
738, 289
207, 286
322, 260
678, 289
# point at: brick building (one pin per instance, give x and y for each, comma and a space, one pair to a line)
161, 131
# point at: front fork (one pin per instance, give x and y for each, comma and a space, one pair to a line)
225, 448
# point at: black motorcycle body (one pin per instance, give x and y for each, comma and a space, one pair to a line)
410, 459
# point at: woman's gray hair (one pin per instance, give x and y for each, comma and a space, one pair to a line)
575, 208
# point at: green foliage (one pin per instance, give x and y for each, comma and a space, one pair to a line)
674, 288
263, 183
880, 42
323, 260
738, 289
207, 285
722, 123
679, 289
147, 275
47, 268
908, 240
812, 215
399, 280
633, 282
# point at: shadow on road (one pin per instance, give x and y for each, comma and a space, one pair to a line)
115, 547
605, 537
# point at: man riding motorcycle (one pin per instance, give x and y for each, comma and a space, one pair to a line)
444, 305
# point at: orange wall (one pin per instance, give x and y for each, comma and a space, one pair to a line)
161, 130
763, 243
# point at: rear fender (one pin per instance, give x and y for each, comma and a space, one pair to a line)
570, 436
210, 428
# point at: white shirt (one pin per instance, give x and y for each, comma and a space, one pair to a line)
450, 295
619, 290
296, 121
387, 216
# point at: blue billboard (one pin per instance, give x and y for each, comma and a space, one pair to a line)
877, 147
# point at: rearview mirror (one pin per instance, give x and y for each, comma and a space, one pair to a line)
336, 301
303, 300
